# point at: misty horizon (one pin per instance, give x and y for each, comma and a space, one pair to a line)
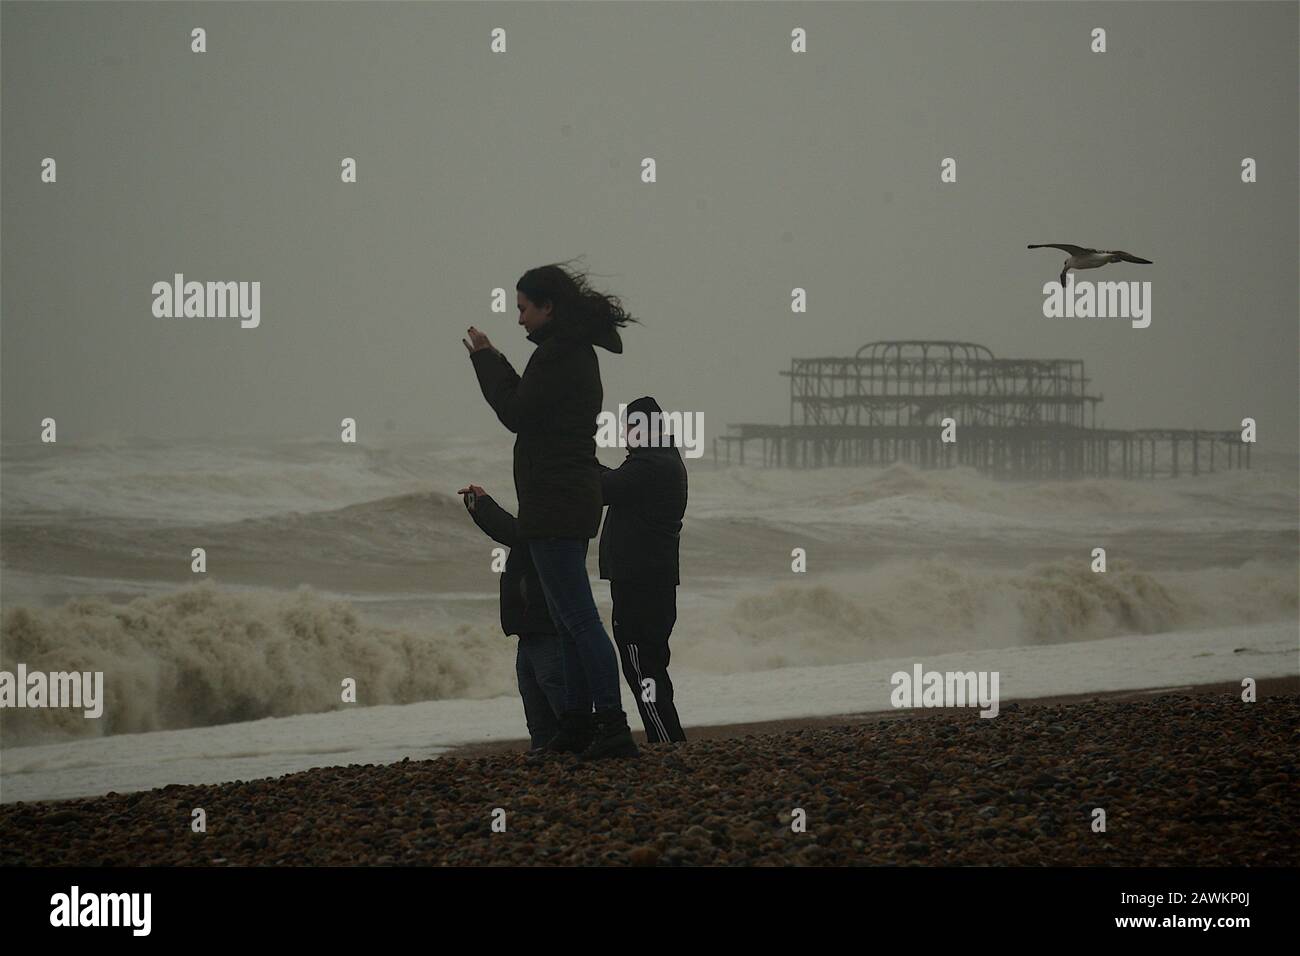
818, 171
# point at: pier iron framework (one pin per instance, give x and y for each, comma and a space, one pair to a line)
1015, 418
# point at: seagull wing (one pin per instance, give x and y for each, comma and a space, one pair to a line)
1120, 254
1063, 246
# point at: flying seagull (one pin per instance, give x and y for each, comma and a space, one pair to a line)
1081, 258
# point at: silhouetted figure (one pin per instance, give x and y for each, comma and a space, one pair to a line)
552, 408
539, 667
646, 496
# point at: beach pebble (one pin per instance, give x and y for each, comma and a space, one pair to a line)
1190, 780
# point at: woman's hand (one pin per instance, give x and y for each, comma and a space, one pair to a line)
474, 490
477, 341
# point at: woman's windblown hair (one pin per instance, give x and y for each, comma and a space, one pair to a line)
580, 309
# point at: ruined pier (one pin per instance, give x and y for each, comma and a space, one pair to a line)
1015, 418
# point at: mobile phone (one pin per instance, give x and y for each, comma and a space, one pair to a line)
470, 498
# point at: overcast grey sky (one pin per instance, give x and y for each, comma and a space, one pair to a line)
775, 170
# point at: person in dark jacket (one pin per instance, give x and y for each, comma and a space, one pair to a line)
538, 666
639, 546
552, 410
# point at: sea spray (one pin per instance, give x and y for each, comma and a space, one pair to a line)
938, 605
203, 656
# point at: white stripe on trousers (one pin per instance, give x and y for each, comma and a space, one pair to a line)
654, 714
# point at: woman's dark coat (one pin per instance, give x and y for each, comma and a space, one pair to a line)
552, 410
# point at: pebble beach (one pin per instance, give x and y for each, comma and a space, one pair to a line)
1194, 779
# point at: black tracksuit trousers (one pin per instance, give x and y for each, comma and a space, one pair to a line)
644, 615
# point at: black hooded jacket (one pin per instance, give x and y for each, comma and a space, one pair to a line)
523, 605
646, 496
552, 410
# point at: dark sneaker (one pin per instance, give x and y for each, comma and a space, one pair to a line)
613, 737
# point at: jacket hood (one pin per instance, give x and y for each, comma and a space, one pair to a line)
648, 406
645, 404
609, 339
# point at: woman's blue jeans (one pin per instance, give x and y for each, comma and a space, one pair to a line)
591, 677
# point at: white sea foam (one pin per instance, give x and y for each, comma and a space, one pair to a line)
276, 746
401, 597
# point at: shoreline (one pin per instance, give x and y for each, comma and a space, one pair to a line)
1181, 778
509, 742
1264, 687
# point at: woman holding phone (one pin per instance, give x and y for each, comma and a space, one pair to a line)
552, 410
